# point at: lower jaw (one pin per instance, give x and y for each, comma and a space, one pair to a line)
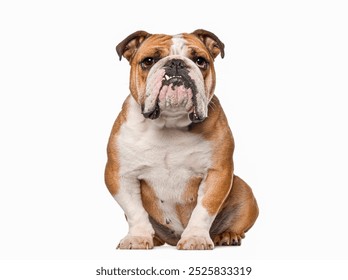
174, 112
173, 119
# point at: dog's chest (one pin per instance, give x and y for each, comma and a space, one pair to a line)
166, 159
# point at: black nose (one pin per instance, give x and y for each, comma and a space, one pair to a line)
175, 65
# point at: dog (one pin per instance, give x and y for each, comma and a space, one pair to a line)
170, 164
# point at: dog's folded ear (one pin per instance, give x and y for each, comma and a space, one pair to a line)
129, 46
211, 41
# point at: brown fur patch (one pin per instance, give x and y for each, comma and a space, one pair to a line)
112, 165
150, 202
196, 46
238, 213
242, 197
189, 198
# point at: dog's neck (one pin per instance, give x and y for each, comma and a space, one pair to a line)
168, 119
173, 119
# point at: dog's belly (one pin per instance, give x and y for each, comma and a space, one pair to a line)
169, 196
169, 165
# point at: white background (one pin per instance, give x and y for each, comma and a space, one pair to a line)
283, 85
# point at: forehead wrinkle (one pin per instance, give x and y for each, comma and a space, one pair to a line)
193, 42
157, 44
158, 40
156, 51
196, 51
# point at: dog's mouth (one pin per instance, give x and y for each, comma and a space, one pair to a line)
177, 93
178, 80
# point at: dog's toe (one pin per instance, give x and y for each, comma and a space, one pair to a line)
195, 243
136, 242
228, 238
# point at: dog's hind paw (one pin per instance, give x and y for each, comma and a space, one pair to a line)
228, 238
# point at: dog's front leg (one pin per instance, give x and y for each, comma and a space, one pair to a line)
128, 195
212, 193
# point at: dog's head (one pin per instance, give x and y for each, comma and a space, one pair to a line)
172, 76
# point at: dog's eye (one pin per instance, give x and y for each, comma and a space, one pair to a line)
201, 62
147, 62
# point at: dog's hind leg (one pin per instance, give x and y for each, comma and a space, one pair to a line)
237, 215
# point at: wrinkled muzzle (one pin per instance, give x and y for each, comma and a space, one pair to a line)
175, 85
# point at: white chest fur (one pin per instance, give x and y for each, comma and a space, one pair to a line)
166, 158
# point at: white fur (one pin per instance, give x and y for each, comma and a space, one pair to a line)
129, 199
179, 46
166, 158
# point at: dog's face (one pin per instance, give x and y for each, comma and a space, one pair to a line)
172, 76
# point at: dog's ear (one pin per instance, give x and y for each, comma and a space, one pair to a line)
130, 45
211, 41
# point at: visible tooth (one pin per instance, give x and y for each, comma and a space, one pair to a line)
167, 77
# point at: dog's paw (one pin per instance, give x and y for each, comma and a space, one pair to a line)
195, 243
228, 239
136, 242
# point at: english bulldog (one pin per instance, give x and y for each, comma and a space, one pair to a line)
170, 163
